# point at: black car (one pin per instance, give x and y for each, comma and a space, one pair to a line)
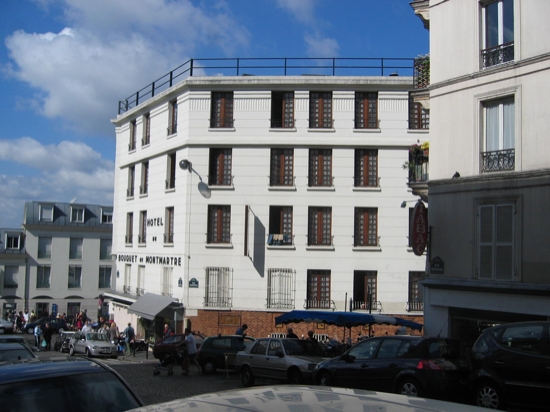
216, 349
60, 384
512, 366
408, 365
11, 351
59, 325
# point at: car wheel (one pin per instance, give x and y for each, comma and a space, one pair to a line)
295, 377
325, 379
88, 353
30, 331
487, 395
247, 377
209, 367
71, 351
409, 387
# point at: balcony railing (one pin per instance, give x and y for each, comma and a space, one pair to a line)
498, 160
172, 130
140, 291
273, 304
319, 304
128, 239
126, 289
497, 55
280, 239
415, 306
219, 302
142, 238
170, 183
282, 124
421, 72
142, 190
364, 305
419, 163
130, 192
168, 238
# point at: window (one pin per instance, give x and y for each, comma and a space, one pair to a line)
144, 178
46, 213
42, 309
366, 168
280, 225
146, 139
498, 32
282, 109
172, 117
528, 338
219, 224
318, 289
218, 287
222, 110
77, 214
416, 301
44, 247
75, 248
73, 309
105, 247
419, 117
105, 277
280, 288
169, 228
319, 228
106, 216
129, 227
496, 241
43, 276
364, 290
140, 281
131, 176
127, 278
366, 226
366, 110
220, 167
282, 167
75, 277
132, 144
13, 241
320, 168
499, 135
10, 277
320, 110
142, 237
166, 285
171, 171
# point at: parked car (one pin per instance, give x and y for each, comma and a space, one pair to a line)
62, 343
408, 365
214, 350
60, 384
11, 351
92, 344
167, 345
304, 398
12, 338
512, 366
291, 360
6, 326
59, 325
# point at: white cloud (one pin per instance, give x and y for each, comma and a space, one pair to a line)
319, 46
109, 51
302, 10
66, 170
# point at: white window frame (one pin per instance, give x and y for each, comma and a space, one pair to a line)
106, 216
46, 213
75, 248
42, 240
166, 281
219, 287
127, 278
499, 104
13, 241
141, 280
77, 214
281, 288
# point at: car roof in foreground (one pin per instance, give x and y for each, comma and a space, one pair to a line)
304, 398
31, 369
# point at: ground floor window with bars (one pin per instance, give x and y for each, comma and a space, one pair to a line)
318, 289
280, 288
218, 287
166, 285
416, 301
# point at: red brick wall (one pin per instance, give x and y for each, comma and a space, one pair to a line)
261, 324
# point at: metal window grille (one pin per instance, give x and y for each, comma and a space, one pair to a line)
280, 288
218, 287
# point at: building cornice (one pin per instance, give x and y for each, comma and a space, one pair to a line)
486, 286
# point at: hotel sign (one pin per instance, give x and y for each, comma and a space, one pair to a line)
419, 230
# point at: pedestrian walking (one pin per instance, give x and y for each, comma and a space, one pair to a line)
192, 349
242, 330
37, 334
129, 335
48, 332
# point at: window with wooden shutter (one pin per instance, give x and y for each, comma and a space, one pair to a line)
220, 167
319, 230
221, 114
318, 289
320, 110
282, 110
320, 167
282, 167
366, 168
366, 110
219, 224
366, 226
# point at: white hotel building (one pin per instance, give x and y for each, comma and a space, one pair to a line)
238, 198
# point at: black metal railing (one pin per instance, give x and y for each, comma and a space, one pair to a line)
142, 190
280, 239
419, 167
319, 304
140, 291
282, 124
415, 306
364, 305
217, 302
498, 160
128, 239
142, 238
145, 140
497, 55
168, 238
130, 192
281, 66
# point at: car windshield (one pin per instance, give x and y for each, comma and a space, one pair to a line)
97, 336
295, 347
88, 392
15, 354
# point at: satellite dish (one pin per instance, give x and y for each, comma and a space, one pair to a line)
204, 190
73, 200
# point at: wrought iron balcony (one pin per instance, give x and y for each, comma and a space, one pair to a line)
421, 72
172, 130
130, 192
497, 55
498, 160
274, 304
280, 239
170, 183
282, 124
218, 302
364, 305
418, 164
319, 304
168, 238
414, 306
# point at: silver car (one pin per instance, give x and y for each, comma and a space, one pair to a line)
92, 344
290, 360
6, 326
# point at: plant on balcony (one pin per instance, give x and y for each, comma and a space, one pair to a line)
418, 162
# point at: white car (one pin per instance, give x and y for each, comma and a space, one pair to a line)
6, 326
92, 344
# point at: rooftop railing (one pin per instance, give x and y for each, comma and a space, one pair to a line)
271, 66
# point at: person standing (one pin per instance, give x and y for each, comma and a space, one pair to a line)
242, 330
129, 335
192, 349
48, 332
167, 331
87, 327
113, 333
290, 334
37, 334
310, 336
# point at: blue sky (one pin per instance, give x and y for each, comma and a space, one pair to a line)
65, 64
